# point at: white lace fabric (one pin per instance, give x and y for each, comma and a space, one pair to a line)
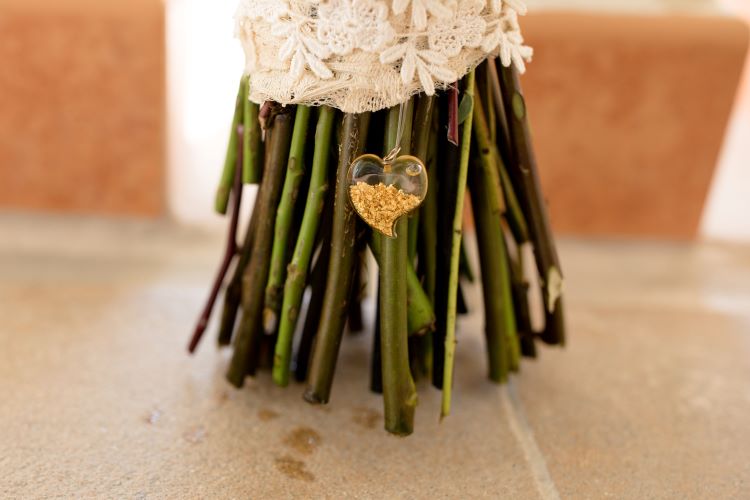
366, 55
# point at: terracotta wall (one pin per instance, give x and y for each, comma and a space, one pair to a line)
82, 106
629, 114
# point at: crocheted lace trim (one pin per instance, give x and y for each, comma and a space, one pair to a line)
366, 55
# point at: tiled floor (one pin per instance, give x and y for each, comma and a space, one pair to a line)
649, 400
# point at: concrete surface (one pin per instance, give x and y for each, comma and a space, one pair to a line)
99, 399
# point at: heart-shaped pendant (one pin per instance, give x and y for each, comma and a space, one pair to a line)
382, 192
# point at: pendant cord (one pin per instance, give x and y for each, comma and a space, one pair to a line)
399, 135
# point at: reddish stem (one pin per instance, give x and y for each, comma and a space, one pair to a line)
264, 115
229, 253
453, 114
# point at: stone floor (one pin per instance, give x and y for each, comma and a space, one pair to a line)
99, 399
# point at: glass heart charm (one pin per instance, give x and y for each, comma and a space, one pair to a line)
383, 191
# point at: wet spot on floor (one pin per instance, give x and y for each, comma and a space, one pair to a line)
222, 397
293, 468
265, 415
303, 439
195, 434
153, 416
366, 417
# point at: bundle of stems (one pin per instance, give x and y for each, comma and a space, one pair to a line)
303, 234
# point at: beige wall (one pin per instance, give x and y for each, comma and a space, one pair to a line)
638, 6
728, 206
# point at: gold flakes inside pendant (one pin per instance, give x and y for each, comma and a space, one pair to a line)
381, 206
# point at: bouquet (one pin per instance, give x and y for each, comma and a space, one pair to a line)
368, 125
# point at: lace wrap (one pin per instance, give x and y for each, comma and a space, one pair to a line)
366, 55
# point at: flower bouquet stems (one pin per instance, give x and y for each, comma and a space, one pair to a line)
305, 234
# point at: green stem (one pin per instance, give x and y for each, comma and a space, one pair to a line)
252, 145
338, 285
465, 269
458, 217
484, 89
298, 268
500, 324
521, 306
421, 132
428, 240
355, 319
413, 236
420, 313
525, 176
230, 160
376, 361
428, 216
513, 212
449, 158
554, 325
318, 279
247, 343
501, 142
520, 292
528, 346
399, 391
295, 172
501, 118
233, 293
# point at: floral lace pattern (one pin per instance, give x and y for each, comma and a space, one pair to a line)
365, 55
